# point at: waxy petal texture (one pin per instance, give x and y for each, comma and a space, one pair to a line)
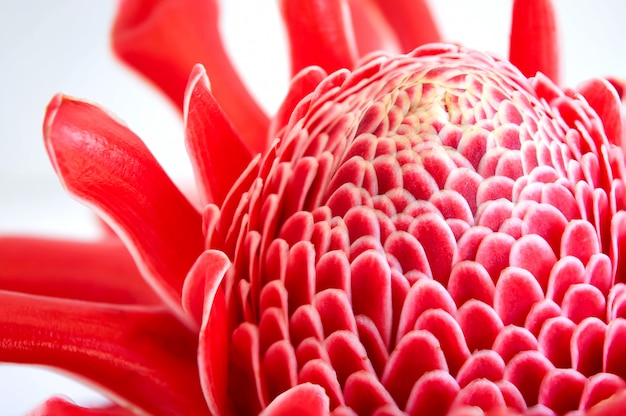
100, 271
141, 355
106, 166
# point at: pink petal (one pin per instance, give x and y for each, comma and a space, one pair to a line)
449, 334
347, 355
600, 387
480, 393
534, 38
371, 291
478, 336
100, 271
526, 371
470, 280
438, 242
364, 393
413, 22
144, 355
302, 84
402, 370
425, 294
615, 348
217, 153
320, 372
320, 33
484, 364
304, 399
587, 346
335, 311
554, 341
243, 371
279, 368
533, 254
512, 340
164, 40
516, 292
432, 394
105, 165
561, 390
603, 98
60, 406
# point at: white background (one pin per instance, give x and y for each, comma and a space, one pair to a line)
63, 46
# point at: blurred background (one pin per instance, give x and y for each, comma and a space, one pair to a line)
63, 46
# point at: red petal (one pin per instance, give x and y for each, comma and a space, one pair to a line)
412, 20
602, 97
59, 406
364, 393
561, 390
403, 370
516, 292
304, 400
301, 85
320, 33
100, 271
217, 153
371, 291
534, 38
432, 394
371, 29
165, 39
142, 355
106, 166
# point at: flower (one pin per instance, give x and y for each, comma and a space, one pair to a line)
427, 231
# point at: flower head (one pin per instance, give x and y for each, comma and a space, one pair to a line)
422, 231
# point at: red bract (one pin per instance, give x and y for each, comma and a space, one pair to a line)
425, 231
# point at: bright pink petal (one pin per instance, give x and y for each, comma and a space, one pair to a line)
100, 271
164, 40
534, 38
304, 400
141, 355
602, 97
59, 406
412, 20
217, 153
106, 166
320, 33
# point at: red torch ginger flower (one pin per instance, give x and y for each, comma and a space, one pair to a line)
425, 231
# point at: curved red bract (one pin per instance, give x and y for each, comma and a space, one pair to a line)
421, 228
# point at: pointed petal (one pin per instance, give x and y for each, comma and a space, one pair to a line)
372, 31
301, 85
602, 97
534, 43
59, 406
164, 40
100, 271
106, 166
142, 356
413, 22
217, 153
213, 346
304, 400
320, 33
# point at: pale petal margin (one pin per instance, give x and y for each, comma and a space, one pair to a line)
106, 166
217, 153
